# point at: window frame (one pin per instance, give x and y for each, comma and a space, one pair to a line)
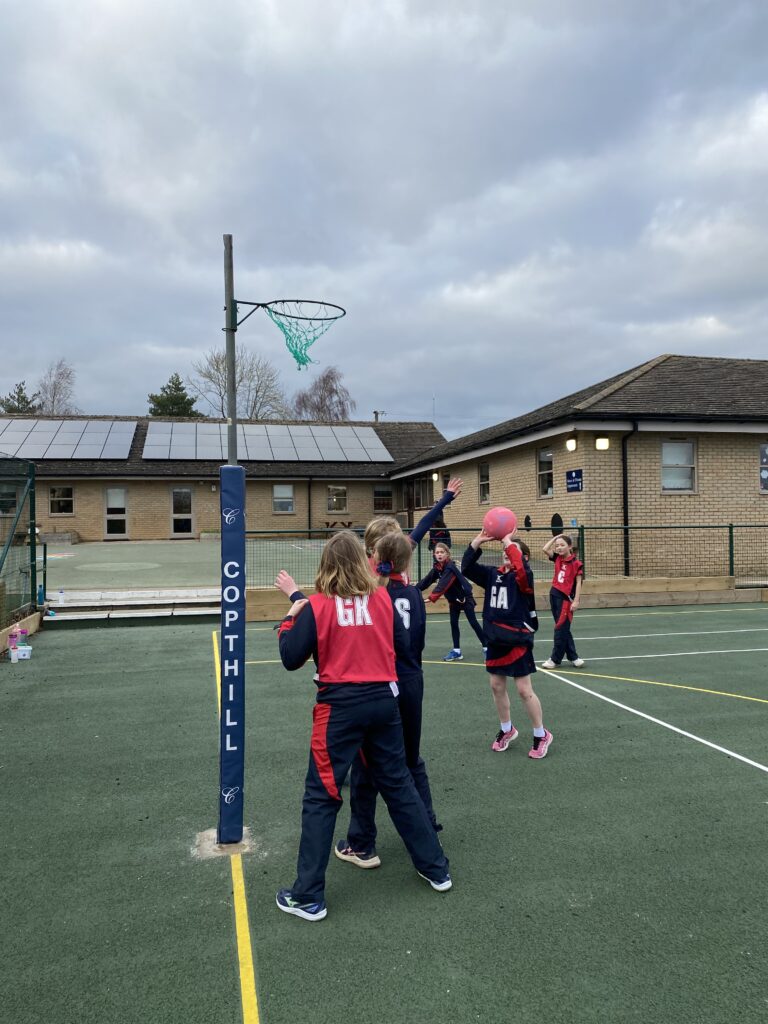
377, 507
543, 474
338, 488
60, 498
285, 498
6, 489
484, 483
423, 491
692, 466
763, 489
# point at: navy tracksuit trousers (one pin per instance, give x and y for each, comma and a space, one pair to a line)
564, 646
454, 611
346, 718
363, 789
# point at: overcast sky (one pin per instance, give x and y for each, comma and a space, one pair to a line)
512, 199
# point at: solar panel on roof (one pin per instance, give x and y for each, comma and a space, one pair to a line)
31, 450
60, 451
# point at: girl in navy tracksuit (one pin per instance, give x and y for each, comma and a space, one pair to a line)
509, 620
382, 525
394, 555
458, 592
350, 627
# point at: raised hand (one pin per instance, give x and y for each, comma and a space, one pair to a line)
286, 583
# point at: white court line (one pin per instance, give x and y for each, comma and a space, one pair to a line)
604, 613
658, 721
706, 632
679, 654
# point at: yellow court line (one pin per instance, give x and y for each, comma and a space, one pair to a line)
244, 951
655, 682
242, 926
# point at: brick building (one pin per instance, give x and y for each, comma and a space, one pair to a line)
678, 440
128, 478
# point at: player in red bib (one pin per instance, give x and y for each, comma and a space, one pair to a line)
350, 627
564, 599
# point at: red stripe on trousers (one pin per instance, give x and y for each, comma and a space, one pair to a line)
319, 747
512, 655
566, 614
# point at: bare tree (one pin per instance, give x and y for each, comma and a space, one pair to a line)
260, 395
327, 399
56, 390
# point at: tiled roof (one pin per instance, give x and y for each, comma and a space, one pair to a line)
668, 387
404, 441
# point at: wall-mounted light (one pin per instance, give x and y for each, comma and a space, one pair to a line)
602, 443
435, 478
570, 444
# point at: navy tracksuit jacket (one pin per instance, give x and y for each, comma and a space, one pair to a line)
409, 607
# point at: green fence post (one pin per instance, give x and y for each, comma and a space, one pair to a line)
731, 571
32, 538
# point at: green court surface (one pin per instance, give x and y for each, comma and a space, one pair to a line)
620, 879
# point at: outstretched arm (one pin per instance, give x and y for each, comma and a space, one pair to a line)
421, 528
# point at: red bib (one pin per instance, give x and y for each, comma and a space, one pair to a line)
354, 638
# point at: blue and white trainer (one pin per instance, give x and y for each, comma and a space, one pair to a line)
454, 655
314, 911
441, 884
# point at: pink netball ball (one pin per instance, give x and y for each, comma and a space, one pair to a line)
498, 522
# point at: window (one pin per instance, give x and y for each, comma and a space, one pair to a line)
764, 468
116, 502
8, 499
282, 498
337, 498
62, 501
181, 514
678, 466
382, 497
423, 490
544, 472
484, 483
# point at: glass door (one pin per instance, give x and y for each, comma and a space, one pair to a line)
181, 512
116, 517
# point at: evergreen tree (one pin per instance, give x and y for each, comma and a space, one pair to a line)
173, 400
18, 402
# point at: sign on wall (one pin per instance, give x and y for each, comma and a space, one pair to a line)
574, 480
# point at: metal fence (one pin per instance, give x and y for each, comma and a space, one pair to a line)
738, 550
18, 568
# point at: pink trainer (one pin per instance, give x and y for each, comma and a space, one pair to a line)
503, 739
541, 749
